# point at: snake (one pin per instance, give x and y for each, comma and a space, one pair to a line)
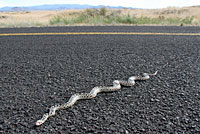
117, 84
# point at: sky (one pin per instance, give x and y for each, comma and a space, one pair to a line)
148, 4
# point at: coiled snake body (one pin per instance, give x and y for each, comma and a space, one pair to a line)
78, 96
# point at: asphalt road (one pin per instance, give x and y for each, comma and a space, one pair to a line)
37, 72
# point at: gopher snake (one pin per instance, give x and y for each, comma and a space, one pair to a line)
78, 96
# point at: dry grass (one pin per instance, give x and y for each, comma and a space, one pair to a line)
42, 18
170, 12
26, 19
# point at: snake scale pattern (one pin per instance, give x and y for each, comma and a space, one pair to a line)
79, 96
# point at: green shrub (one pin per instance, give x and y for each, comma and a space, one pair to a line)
127, 19
55, 20
103, 11
187, 20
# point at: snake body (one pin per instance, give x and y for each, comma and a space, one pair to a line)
79, 96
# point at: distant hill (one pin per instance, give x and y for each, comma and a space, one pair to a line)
54, 7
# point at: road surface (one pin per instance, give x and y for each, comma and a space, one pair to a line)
38, 71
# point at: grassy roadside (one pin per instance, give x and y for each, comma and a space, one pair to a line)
102, 16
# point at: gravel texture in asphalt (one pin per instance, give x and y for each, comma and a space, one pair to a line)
37, 72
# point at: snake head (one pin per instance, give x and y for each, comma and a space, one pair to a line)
39, 122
